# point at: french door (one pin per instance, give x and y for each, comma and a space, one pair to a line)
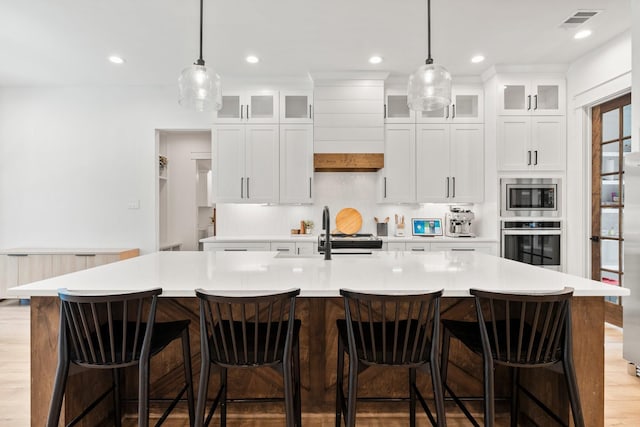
611, 140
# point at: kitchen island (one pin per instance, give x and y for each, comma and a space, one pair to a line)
179, 273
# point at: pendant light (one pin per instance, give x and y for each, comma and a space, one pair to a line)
430, 85
199, 86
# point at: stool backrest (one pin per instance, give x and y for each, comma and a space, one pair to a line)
247, 330
392, 329
107, 329
524, 329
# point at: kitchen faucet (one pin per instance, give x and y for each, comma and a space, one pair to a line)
326, 225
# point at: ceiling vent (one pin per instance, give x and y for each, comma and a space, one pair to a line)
578, 18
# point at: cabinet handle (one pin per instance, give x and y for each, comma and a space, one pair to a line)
247, 111
462, 249
298, 251
528, 102
235, 250
453, 111
535, 102
385, 187
447, 186
385, 111
447, 116
529, 157
453, 180
17, 254
535, 157
310, 111
310, 194
248, 197
241, 112
242, 188
85, 254
417, 249
282, 249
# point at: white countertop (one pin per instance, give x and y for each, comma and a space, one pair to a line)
179, 273
314, 238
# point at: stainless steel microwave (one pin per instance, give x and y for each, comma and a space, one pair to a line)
530, 197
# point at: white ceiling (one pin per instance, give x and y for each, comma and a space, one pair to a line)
67, 42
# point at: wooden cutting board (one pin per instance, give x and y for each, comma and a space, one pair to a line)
348, 221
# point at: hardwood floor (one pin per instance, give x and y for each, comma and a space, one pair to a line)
622, 391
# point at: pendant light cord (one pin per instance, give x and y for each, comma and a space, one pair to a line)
429, 59
200, 61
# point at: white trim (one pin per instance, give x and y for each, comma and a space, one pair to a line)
581, 105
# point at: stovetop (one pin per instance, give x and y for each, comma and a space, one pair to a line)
354, 241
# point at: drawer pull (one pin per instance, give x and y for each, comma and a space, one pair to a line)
417, 249
282, 249
17, 254
235, 250
463, 249
85, 254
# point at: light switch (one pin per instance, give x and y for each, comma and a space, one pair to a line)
134, 204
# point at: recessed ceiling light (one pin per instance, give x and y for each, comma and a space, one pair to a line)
582, 34
252, 59
375, 59
116, 59
477, 58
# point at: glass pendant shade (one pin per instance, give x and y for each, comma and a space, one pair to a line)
429, 88
199, 88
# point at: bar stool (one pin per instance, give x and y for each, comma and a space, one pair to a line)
518, 331
249, 332
108, 332
389, 330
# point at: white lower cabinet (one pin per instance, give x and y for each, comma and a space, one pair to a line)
396, 246
489, 248
305, 248
237, 246
417, 246
450, 163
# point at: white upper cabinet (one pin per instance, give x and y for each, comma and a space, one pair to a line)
260, 107
450, 163
531, 143
467, 106
398, 177
296, 163
531, 96
396, 109
296, 107
246, 163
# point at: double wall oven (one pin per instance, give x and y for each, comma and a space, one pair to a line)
531, 231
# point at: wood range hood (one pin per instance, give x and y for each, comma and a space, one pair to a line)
348, 162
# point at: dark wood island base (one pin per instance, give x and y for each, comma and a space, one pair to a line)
318, 347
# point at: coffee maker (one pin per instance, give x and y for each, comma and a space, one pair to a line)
459, 222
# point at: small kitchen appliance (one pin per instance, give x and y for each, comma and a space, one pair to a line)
530, 197
458, 222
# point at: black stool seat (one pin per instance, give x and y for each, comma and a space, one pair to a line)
389, 330
97, 332
518, 331
248, 332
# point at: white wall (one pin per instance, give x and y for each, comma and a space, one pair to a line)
72, 158
600, 75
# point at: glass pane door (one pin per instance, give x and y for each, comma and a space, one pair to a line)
611, 127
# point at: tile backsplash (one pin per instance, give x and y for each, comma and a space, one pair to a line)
337, 190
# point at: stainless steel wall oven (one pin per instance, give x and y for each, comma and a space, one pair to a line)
533, 242
530, 197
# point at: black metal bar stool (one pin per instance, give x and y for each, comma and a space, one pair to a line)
108, 332
389, 330
517, 331
249, 332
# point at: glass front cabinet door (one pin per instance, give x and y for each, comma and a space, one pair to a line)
296, 107
542, 97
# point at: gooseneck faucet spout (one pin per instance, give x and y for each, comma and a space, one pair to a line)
326, 225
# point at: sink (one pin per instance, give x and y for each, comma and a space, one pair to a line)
348, 254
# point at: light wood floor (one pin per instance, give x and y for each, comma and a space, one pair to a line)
622, 391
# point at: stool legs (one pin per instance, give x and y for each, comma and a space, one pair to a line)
203, 386
412, 397
515, 382
296, 379
353, 390
58, 389
188, 375
489, 401
143, 392
117, 412
438, 393
339, 383
574, 395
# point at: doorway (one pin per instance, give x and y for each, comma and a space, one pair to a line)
611, 140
